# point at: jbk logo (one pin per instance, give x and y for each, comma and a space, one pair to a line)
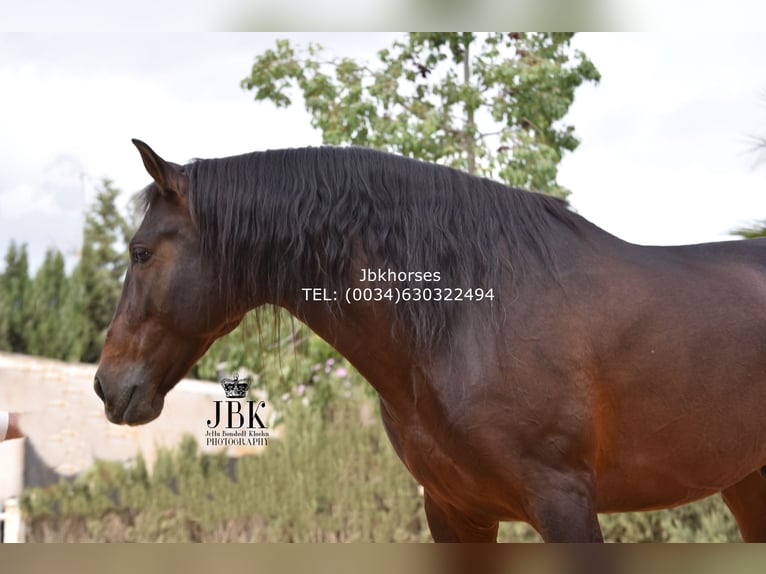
235, 418
231, 413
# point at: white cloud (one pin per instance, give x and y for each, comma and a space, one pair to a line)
24, 200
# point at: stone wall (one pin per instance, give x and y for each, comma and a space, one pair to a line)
66, 429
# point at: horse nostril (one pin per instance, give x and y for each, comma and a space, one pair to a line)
97, 388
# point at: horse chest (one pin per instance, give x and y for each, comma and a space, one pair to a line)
438, 462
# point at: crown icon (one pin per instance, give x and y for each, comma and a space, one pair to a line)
235, 388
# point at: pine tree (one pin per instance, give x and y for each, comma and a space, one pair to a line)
15, 300
49, 336
96, 282
5, 319
73, 317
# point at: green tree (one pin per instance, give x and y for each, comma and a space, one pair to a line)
5, 306
755, 228
73, 317
96, 282
49, 336
491, 104
15, 300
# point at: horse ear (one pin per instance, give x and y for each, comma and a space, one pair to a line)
168, 176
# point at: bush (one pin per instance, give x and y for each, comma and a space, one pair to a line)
327, 481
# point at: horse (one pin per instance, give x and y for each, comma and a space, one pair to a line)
529, 365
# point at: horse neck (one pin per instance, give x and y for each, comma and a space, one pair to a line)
362, 334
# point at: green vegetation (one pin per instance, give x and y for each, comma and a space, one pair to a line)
15, 300
332, 479
46, 338
97, 280
327, 481
756, 228
490, 104
287, 362
64, 317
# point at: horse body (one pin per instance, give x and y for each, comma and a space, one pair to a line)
613, 377
594, 381
681, 352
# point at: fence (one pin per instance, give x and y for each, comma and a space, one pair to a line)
11, 525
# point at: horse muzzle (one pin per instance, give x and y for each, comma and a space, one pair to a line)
129, 399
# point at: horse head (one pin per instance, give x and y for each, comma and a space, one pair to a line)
169, 311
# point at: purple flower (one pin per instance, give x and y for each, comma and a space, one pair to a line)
341, 372
300, 389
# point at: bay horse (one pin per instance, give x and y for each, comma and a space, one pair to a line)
551, 372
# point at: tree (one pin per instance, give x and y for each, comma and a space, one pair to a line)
15, 293
755, 228
96, 282
49, 335
490, 104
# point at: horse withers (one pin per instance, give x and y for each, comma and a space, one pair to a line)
552, 372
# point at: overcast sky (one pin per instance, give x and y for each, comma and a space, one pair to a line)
666, 136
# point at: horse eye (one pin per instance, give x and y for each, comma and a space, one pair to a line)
141, 255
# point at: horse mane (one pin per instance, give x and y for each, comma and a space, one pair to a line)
287, 219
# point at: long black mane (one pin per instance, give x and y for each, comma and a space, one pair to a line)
282, 220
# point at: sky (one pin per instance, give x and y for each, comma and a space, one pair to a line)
666, 136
